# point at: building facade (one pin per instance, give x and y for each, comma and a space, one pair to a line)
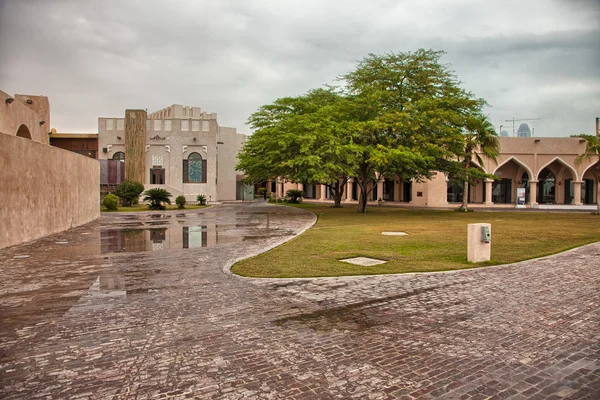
185, 151
544, 167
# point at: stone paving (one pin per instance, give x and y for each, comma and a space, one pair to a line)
90, 314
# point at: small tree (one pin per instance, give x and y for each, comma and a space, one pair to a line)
201, 199
480, 138
294, 196
157, 197
129, 192
111, 202
180, 201
592, 152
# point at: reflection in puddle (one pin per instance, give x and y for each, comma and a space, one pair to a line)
177, 237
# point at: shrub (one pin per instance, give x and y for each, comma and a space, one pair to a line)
201, 199
156, 197
294, 196
180, 201
111, 202
261, 191
129, 192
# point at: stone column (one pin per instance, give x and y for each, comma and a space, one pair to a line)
349, 190
488, 192
380, 189
577, 193
533, 193
322, 195
300, 186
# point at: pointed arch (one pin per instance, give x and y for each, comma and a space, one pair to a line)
560, 160
475, 163
518, 162
588, 168
24, 132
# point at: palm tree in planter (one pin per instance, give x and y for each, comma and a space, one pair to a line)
157, 197
480, 138
592, 151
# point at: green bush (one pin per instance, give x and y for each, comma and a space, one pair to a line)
201, 199
261, 191
294, 196
129, 192
180, 201
111, 202
156, 197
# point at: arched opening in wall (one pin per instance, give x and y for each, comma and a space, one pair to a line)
119, 155
511, 174
546, 187
589, 185
194, 169
559, 189
23, 132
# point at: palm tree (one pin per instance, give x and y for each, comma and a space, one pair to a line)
592, 151
156, 197
480, 138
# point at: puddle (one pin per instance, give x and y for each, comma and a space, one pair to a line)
177, 237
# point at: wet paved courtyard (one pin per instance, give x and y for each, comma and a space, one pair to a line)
138, 306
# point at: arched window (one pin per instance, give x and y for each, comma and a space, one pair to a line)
119, 155
194, 169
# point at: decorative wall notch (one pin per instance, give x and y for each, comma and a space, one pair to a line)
147, 147
108, 148
184, 149
168, 148
157, 137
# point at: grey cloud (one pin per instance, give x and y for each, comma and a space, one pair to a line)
98, 58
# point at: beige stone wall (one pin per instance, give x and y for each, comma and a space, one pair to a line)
19, 112
45, 190
228, 147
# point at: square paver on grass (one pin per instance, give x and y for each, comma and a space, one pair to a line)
364, 261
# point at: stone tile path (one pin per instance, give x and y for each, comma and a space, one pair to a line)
99, 318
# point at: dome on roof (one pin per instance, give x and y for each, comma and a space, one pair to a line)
504, 134
524, 130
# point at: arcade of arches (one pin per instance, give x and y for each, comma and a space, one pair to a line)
544, 167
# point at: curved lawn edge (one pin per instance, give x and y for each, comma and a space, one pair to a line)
313, 220
227, 268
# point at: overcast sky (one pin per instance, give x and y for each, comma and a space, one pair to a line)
527, 58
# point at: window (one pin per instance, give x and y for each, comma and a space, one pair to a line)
195, 126
157, 176
168, 125
148, 124
194, 169
121, 124
110, 123
157, 125
205, 126
119, 155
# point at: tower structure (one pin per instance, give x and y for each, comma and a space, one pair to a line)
135, 140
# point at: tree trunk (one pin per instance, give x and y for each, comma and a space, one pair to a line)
362, 200
465, 199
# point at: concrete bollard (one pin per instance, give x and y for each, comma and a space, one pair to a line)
479, 242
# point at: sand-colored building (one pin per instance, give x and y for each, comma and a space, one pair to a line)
184, 150
544, 167
45, 189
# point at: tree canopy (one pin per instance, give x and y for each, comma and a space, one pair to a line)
397, 113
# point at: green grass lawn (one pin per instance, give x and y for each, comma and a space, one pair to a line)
144, 207
436, 241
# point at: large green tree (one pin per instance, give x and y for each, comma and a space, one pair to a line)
592, 152
409, 112
300, 139
394, 114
